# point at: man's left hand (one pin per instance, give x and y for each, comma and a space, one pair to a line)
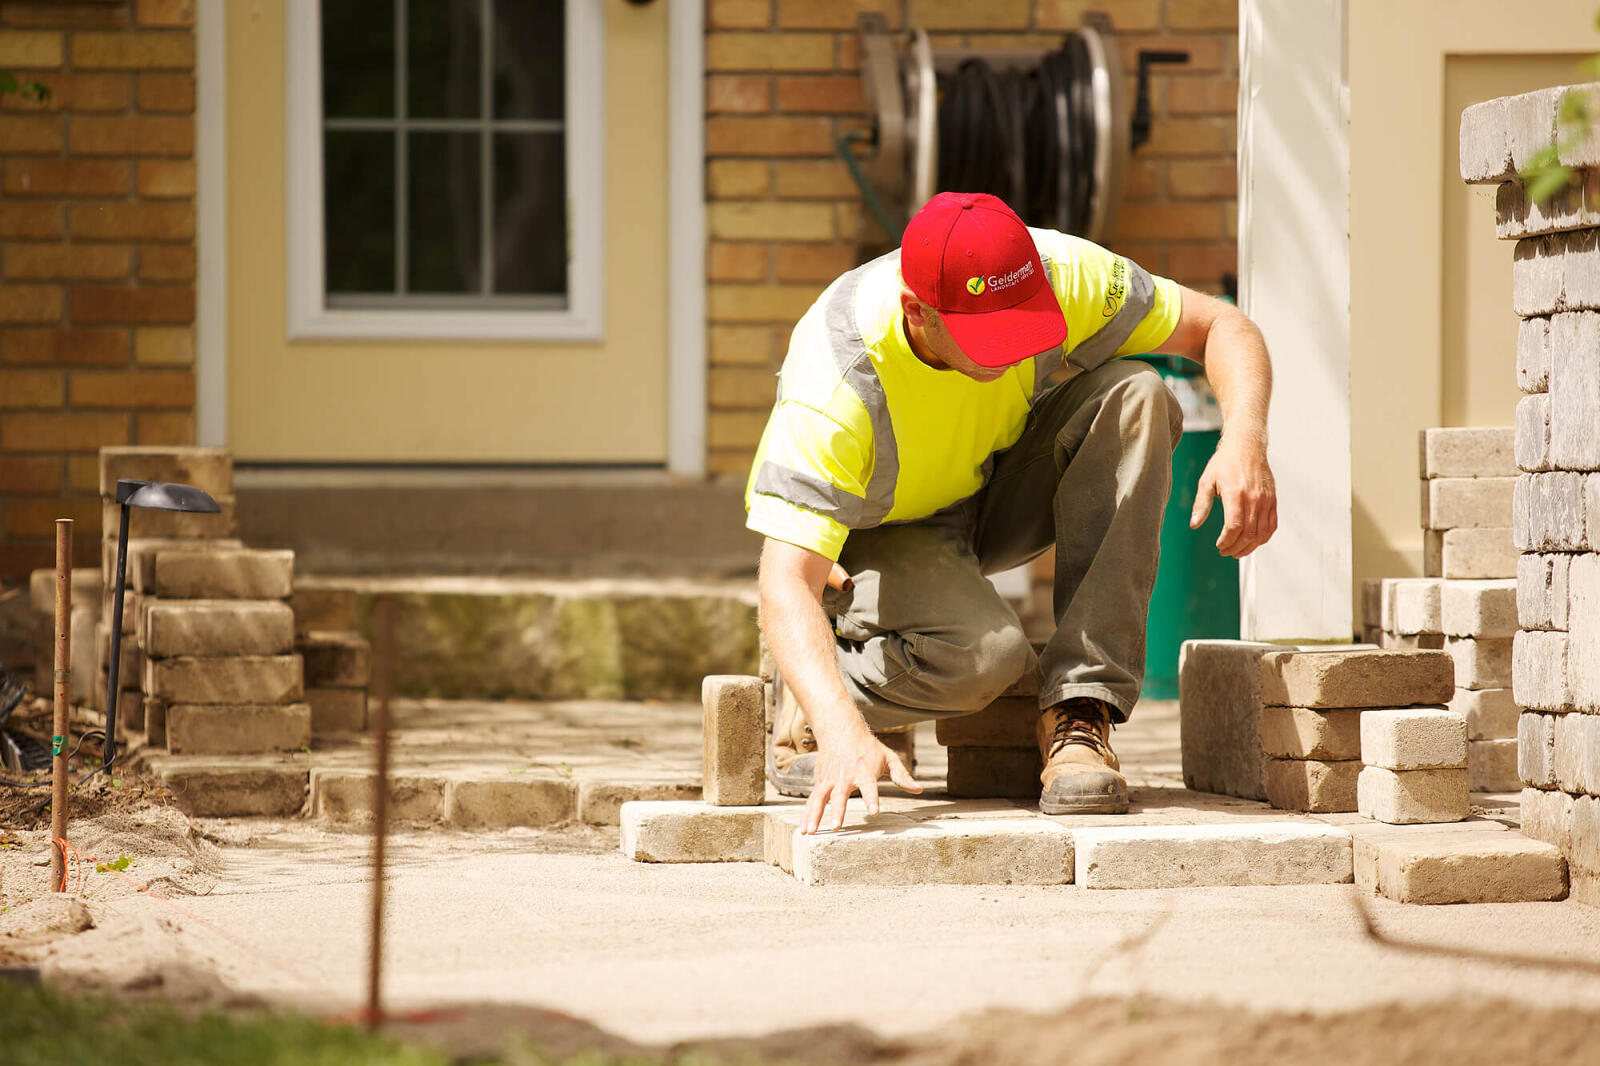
1239, 473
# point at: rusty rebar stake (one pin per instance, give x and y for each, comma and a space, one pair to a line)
59, 770
380, 806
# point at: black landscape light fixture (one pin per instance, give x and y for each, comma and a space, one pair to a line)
154, 496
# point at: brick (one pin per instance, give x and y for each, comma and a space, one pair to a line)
1555, 512
1481, 662
334, 659
742, 387
1180, 137
1131, 15
223, 575
136, 388
602, 793
728, 179
1558, 272
1574, 404
739, 14
740, 220
216, 628
736, 262
1584, 850
208, 469
30, 134
1547, 816
1414, 739
1470, 868
1492, 765
1469, 554
167, 262
1468, 452
27, 516
23, 50
1312, 784
1219, 699
1490, 713
235, 787
30, 303
242, 679
348, 796
1583, 616
179, 525
1411, 796
172, 429
1533, 433
1008, 722
736, 93
130, 659
1032, 851
734, 755
86, 590
337, 710
76, 93
1190, 856
1474, 503
83, 474
1577, 752
738, 135
164, 346
1202, 14
20, 474
30, 219
133, 51
237, 729
1533, 354
504, 800
164, 12
743, 346
139, 221
813, 179
768, 51
165, 179
963, 16
1542, 591
1355, 678
121, 303
1539, 666
31, 388
655, 831
815, 262
761, 303
1206, 96
323, 607
828, 94
35, 431
143, 551
66, 177
1411, 606
1301, 733
991, 772
1174, 221
65, 347
833, 14
52, 261
130, 135
166, 92
1480, 608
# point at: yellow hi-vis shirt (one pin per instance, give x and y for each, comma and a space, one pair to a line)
864, 432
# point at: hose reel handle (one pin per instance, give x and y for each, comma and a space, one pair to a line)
1141, 106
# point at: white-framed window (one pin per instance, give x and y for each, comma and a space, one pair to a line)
445, 170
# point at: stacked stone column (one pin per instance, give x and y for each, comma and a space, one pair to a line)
1556, 508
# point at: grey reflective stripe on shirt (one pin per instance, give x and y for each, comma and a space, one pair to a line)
850, 355
810, 492
1115, 333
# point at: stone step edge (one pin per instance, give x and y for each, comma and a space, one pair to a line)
740, 589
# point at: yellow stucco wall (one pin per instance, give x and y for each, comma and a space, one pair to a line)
431, 401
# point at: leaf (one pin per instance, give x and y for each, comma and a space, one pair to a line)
121, 863
1543, 159
1546, 183
8, 82
32, 90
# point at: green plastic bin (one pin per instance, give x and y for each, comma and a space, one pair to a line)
1197, 589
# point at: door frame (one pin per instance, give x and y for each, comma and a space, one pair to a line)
686, 235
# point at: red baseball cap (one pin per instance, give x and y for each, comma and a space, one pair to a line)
970, 257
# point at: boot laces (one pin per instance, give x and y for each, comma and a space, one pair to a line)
1080, 723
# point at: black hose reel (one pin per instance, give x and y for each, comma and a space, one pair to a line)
1048, 132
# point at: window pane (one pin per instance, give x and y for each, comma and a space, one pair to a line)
444, 41
358, 58
530, 213
358, 221
529, 60
444, 213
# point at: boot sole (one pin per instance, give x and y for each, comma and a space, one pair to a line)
1085, 805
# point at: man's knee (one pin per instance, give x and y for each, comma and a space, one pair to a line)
1141, 391
979, 671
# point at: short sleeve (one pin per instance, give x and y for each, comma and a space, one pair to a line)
1113, 306
808, 484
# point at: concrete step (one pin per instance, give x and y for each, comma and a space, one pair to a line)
559, 639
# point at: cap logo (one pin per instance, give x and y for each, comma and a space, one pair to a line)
975, 286
1005, 281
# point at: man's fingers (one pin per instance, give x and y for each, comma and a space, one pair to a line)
869, 794
900, 775
1202, 501
814, 807
841, 799
1233, 521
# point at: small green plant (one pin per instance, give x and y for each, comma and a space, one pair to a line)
117, 865
1545, 175
27, 89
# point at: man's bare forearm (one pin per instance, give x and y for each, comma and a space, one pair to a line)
1240, 373
802, 645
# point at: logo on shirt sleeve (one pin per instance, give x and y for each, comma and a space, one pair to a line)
975, 286
1118, 288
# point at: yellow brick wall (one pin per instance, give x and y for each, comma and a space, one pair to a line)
784, 217
97, 258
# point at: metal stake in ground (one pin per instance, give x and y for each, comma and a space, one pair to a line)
384, 653
63, 681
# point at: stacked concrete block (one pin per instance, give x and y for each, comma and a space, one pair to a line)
994, 753
337, 659
1414, 766
1556, 505
1468, 480
1314, 706
733, 767
84, 671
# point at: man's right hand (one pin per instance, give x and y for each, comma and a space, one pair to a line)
853, 762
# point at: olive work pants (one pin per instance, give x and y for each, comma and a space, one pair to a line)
923, 634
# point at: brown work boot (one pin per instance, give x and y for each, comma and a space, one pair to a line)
1081, 773
792, 755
